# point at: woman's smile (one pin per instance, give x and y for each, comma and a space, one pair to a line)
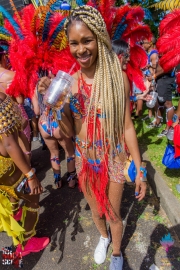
83, 45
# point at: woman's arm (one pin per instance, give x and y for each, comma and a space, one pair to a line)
131, 142
35, 103
13, 149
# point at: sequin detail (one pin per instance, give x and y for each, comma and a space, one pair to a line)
5, 165
10, 117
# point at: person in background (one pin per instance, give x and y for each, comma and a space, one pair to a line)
164, 89
17, 181
121, 48
153, 58
33, 119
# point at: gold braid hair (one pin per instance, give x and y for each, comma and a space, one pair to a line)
108, 85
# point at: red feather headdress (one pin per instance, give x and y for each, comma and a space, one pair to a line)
42, 47
126, 23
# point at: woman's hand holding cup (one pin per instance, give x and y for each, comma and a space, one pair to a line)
43, 85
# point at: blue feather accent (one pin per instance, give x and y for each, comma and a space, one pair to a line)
5, 48
80, 2
148, 14
119, 31
47, 23
120, 28
56, 5
57, 30
4, 31
12, 22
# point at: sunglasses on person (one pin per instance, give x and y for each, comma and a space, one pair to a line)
126, 55
144, 42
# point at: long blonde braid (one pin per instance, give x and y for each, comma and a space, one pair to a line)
108, 85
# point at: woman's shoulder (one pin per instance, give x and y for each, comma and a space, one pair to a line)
2, 96
125, 77
75, 83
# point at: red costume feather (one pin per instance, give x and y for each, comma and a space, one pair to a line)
169, 41
138, 33
170, 22
31, 54
170, 60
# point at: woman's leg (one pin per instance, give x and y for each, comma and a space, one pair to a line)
100, 222
68, 147
115, 197
139, 107
52, 145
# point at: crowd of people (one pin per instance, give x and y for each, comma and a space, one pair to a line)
94, 126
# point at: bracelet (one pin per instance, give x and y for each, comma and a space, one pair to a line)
175, 118
30, 174
143, 172
30, 179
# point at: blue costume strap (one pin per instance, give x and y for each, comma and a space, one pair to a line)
150, 54
69, 159
57, 176
77, 153
74, 104
56, 159
133, 98
143, 174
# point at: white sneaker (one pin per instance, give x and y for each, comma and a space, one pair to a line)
101, 250
116, 263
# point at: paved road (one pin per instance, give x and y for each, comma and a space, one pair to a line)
66, 219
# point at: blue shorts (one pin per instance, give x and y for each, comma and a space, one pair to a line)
49, 130
136, 90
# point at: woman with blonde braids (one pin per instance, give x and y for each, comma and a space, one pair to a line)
99, 105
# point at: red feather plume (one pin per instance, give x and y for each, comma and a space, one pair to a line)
138, 33
135, 15
169, 22
170, 60
169, 41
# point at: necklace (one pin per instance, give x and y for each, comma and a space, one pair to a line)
84, 87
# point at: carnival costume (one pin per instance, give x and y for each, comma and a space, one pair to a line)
53, 54
10, 121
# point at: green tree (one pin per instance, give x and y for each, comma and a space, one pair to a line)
1, 19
